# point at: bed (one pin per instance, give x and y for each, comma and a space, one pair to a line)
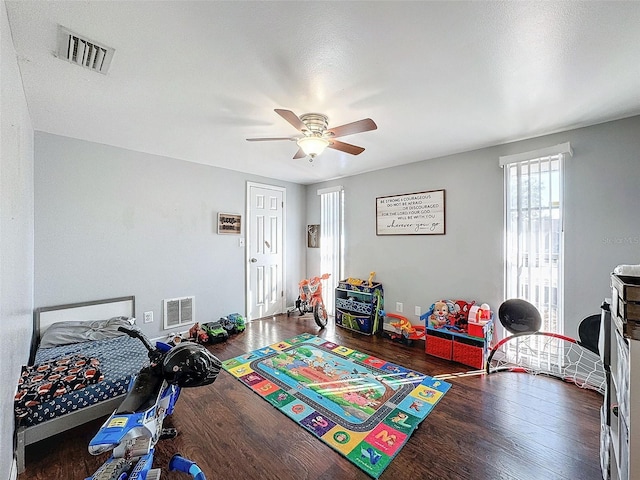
99, 355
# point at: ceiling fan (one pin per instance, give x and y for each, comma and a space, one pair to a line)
316, 136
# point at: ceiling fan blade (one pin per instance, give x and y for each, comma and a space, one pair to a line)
345, 147
292, 118
363, 125
299, 154
269, 139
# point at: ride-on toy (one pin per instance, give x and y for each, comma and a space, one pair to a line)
310, 299
133, 430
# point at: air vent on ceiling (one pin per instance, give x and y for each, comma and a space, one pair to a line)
82, 51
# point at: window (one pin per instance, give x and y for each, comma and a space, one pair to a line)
534, 231
331, 241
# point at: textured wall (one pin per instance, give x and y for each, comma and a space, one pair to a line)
16, 237
602, 200
113, 222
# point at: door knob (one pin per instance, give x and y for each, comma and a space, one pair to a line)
253, 260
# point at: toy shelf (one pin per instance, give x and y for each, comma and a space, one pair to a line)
460, 347
358, 306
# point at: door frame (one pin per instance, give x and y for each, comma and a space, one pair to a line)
247, 250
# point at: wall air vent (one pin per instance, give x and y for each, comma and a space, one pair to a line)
178, 312
82, 51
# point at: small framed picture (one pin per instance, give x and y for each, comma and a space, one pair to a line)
229, 223
313, 236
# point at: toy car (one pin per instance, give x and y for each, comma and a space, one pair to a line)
239, 322
228, 324
215, 331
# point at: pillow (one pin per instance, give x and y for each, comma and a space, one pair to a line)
64, 333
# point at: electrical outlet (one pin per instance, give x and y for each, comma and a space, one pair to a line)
399, 307
417, 311
148, 317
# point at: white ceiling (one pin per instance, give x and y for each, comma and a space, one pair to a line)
192, 79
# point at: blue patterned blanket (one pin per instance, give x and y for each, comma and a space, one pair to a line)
118, 359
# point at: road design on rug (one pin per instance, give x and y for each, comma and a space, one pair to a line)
362, 406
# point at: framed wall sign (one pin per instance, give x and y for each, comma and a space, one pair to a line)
420, 213
229, 223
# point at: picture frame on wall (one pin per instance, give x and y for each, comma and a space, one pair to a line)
313, 236
419, 213
229, 224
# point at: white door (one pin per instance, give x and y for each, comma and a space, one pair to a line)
265, 279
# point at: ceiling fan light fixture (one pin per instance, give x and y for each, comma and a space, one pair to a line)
316, 136
313, 145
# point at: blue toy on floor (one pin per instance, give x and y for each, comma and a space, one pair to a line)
133, 430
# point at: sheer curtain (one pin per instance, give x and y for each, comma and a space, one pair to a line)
331, 241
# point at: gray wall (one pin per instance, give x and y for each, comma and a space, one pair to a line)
602, 195
16, 237
113, 222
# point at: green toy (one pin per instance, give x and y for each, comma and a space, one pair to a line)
215, 331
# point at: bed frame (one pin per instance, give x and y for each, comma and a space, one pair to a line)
44, 317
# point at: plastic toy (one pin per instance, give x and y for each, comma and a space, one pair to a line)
479, 313
519, 316
238, 320
198, 334
233, 323
403, 325
440, 315
133, 430
458, 316
215, 331
228, 324
401, 329
370, 281
181, 464
357, 281
310, 299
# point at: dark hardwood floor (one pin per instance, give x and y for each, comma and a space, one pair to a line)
504, 426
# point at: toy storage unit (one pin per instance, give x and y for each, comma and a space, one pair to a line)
620, 414
358, 306
625, 305
460, 347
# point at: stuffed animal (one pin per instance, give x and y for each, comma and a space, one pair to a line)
462, 313
440, 315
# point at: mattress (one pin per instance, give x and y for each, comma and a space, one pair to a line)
118, 359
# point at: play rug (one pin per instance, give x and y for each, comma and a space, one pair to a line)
362, 406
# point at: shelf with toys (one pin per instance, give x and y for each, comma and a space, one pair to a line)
459, 331
358, 305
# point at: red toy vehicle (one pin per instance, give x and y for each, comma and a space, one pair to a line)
310, 299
